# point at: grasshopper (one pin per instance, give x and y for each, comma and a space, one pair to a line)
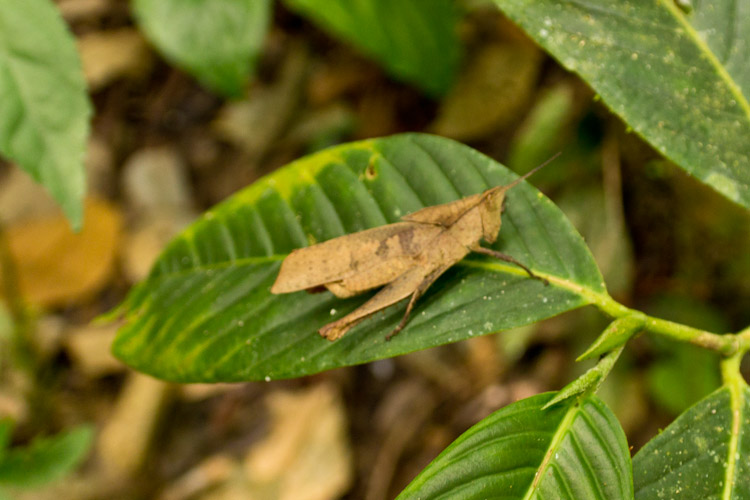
407, 257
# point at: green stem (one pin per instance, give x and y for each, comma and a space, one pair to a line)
730, 369
725, 344
23, 351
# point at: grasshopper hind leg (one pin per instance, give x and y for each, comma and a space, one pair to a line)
397, 290
418, 292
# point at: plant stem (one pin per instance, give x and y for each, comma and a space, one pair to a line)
23, 351
727, 344
730, 369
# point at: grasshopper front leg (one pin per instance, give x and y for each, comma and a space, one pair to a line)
508, 258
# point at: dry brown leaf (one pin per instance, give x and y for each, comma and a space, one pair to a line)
56, 266
124, 441
307, 455
90, 348
109, 55
255, 123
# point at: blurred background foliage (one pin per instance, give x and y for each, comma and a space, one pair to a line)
164, 148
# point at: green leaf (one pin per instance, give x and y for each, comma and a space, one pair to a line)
521, 451
680, 81
217, 41
701, 455
45, 459
617, 334
415, 41
589, 381
206, 312
44, 108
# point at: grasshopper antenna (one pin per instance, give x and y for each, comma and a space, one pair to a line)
534, 170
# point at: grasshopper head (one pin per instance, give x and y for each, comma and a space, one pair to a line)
491, 210
492, 205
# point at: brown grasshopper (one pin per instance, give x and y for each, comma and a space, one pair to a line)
405, 256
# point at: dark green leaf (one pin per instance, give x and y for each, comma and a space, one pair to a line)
45, 459
703, 454
206, 313
415, 41
521, 451
680, 81
217, 41
44, 108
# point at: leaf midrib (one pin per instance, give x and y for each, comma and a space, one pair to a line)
737, 403
590, 295
720, 69
557, 439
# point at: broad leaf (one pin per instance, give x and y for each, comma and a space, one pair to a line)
45, 459
682, 81
415, 41
522, 451
702, 455
44, 108
217, 41
206, 313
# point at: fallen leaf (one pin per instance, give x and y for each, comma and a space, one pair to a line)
89, 347
56, 267
109, 55
306, 455
124, 441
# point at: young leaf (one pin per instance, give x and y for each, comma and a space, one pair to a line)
206, 312
44, 118
590, 380
45, 459
617, 333
522, 451
680, 81
217, 41
703, 454
415, 41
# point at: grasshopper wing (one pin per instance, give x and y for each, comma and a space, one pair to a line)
444, 215
355, 262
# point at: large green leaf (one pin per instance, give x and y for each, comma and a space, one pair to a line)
704, 454
206, 313
45, 459
682, 81
44, 108
571, 452
415, 41
217, 41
